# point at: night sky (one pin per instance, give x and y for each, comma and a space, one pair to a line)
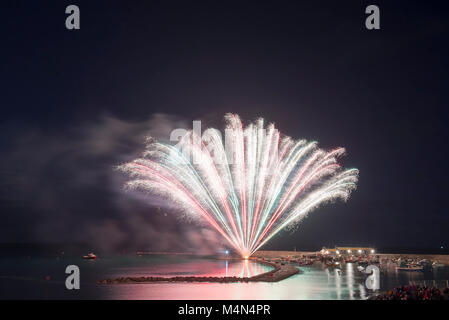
76, 103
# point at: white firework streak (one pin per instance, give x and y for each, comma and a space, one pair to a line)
248, 189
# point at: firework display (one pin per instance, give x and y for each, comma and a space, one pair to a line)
248, 184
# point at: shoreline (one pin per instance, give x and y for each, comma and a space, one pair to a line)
441, 258
279, 272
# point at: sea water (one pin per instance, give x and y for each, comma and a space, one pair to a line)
44, 278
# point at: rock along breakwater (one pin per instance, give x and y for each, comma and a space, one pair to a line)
280, 272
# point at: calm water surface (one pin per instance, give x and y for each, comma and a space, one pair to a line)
43, 278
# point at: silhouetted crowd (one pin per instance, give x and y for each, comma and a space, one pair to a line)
415, 293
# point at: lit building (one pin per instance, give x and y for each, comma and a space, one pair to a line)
347, 251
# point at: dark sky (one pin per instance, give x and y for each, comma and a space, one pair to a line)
76, 103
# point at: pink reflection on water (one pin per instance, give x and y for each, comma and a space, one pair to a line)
203, 268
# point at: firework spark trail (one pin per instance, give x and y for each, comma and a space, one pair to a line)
248, 188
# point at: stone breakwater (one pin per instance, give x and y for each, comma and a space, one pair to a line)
279, 272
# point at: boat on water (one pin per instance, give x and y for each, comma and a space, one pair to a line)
436, 264
426, 264
410, 267
90, 256
362, 270
333, 264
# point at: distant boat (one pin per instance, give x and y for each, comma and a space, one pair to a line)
333, 264
436, 264
362, 270
410, 267
426, 264
90, 256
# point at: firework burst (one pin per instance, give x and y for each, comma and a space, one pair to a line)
248, 186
